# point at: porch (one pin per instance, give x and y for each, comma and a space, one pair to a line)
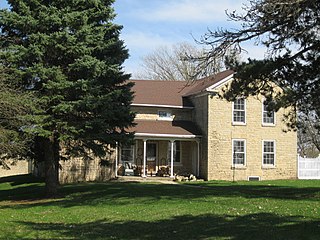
161, 149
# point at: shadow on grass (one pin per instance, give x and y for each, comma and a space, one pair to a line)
253, 226
22, 187
123, 193
115, 193
20, 179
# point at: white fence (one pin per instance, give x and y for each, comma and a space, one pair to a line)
308, 168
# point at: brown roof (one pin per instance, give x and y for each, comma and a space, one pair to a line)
172, 93
202, 84
160, 92
165, 127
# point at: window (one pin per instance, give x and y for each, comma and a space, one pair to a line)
165, 115
176, 152
269, 152
151, 151
268, 117
127, 153
238, 152
239, 111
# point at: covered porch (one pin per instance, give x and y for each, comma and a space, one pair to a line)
161, 148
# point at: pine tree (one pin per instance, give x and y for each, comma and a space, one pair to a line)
14, 105
68, 53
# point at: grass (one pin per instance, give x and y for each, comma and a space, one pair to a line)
208, 210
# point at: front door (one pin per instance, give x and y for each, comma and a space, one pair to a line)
151, 157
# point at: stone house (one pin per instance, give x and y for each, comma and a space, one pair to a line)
188, 129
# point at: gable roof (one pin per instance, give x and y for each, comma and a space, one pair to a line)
203, 84
154, 92
173, 93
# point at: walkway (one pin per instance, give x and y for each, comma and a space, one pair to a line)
164, 180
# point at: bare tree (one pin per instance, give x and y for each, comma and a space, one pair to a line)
289, 29
181, 61
308, 134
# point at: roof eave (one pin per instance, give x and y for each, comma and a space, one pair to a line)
218, 84
212, 87
161, 135
160, 105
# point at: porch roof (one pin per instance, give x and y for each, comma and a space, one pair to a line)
158, 128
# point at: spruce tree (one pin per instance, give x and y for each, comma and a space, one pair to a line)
14, 105
69, 54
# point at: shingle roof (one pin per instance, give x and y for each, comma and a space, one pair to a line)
202, 84
178, 128
172, 93
160, 92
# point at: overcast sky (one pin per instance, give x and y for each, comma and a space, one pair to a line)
149, 24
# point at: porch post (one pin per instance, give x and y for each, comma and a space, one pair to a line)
116, 167
144, 157
198, 158
171, 154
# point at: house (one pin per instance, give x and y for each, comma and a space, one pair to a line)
189, 129
12, 167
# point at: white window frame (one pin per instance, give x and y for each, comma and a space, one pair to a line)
245, 113
169, 153
274, 154
262, 117
169, 116
245, 153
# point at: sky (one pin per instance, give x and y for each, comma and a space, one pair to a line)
150, 24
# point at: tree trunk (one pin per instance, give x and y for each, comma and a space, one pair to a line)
51, 157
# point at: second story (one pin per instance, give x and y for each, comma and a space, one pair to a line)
161, 101
199, 102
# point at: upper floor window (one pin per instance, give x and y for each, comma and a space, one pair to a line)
239, 111
164, 115
269, 152
268, 117
239, 152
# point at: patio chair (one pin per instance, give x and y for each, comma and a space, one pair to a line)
129, 169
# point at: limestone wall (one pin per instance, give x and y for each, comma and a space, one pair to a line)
79, 170
17, 167
200, 117
84, 170
222, 131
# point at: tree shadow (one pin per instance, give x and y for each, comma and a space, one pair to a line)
22, 188
17, 180
264, 191
115, 193
253, 226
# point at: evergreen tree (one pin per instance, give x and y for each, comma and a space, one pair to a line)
68, 53
14, 105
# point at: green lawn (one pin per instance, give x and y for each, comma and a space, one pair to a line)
208, 210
